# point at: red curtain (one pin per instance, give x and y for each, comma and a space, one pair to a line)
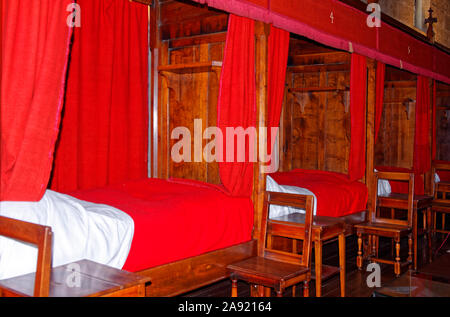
277, 63
358, 85
35, 45
237, 101
422, 159
433, 122
105, 122
379, 98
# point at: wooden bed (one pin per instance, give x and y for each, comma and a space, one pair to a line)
315, 120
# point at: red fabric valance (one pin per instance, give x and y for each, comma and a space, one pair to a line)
236, 105
341, 26
35, 46
104, 131
358, 87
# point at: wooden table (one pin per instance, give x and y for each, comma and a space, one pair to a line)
94, 280
324, 229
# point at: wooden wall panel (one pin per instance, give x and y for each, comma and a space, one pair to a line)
442, 122
395, 144
191, 36
315, 124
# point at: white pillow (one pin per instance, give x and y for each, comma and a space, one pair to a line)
278, 211
81, 230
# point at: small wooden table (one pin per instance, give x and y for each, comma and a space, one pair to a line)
324, 229
94, 280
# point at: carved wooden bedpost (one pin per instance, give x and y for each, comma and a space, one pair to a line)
259, 180
370, 128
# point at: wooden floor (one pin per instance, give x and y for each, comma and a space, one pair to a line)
356, 285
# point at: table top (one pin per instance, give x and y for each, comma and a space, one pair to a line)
79, 279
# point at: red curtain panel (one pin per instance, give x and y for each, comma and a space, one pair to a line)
433, 122
277, 63
237, 102
35, 47
422, 160
358, 80
381, 69
104, 132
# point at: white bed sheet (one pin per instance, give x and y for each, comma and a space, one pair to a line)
81, 230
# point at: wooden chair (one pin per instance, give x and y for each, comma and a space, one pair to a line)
39, 235
277, 269
95, 279
388, 227
441, 198
421, 205
324, 229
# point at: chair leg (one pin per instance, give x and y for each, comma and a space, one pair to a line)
306, 288
429, 235
342, 263
359, 256
410, 249
233, 288
279, 292
415, 238
318, 266
397, 257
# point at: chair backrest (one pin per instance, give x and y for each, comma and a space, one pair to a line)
305, 202
391, 199
39, 235
440, 193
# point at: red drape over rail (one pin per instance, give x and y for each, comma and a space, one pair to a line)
277, 63
236, 105
422, 160
358, 80
35, 47
105, 122
381, 69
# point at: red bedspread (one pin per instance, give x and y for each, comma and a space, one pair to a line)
175, 219
336, 195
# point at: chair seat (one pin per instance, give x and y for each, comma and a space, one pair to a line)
399, 199
376, 227
443, 206
267, 269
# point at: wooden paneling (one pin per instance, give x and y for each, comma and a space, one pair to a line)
315, 123
442, 122
395, 143
192, 36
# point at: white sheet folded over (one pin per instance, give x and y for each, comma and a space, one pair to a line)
278, 211
81, 230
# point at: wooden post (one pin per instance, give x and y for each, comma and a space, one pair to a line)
370, 129
259, 179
